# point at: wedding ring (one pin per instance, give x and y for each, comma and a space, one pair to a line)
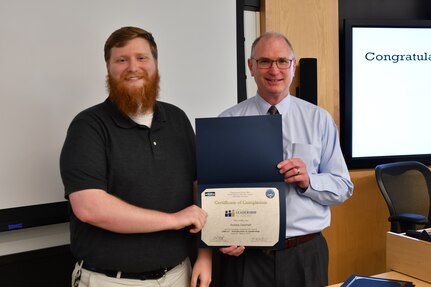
298, 171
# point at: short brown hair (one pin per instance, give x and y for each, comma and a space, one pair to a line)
120, 37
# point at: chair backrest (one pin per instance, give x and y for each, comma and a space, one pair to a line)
406, 188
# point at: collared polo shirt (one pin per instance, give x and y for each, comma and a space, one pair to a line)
153, 168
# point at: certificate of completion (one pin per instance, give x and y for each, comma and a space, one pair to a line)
239, 184
241, 216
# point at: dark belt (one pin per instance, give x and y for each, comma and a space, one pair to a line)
297, 240
147, 275
294, 241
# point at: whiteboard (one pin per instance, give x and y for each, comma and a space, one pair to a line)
52, 67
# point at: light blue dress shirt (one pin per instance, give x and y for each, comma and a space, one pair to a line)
309, 133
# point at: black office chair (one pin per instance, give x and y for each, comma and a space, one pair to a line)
406, 187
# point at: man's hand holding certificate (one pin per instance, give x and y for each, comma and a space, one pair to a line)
239, 184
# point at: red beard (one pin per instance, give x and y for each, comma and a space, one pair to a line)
131, 100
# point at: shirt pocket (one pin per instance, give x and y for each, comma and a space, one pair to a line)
310, 154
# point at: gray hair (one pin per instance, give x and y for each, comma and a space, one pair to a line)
269, 35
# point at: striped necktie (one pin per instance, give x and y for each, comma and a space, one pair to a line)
273, 111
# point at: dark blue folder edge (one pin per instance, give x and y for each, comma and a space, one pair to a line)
239, 149
368, 281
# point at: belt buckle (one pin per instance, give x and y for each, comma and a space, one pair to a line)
292, 242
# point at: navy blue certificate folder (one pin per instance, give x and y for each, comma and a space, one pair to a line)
241, 152
366, 281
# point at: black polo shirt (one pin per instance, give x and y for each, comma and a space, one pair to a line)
152, 168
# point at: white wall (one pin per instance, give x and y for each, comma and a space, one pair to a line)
251, 32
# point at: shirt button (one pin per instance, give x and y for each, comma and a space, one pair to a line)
154, 143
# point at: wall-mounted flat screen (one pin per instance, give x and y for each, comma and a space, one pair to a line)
386, 100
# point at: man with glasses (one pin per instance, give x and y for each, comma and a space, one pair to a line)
313, 168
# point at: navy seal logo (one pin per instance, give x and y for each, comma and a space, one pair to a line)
270, 193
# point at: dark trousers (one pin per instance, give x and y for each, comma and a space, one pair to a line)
305, 265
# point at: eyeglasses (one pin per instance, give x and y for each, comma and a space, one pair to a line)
265, 63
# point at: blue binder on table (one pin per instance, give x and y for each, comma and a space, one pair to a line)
368, 281
241, 152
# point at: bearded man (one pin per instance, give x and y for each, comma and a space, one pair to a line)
128, 168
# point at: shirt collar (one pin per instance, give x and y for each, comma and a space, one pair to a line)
282, 106
126, 122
